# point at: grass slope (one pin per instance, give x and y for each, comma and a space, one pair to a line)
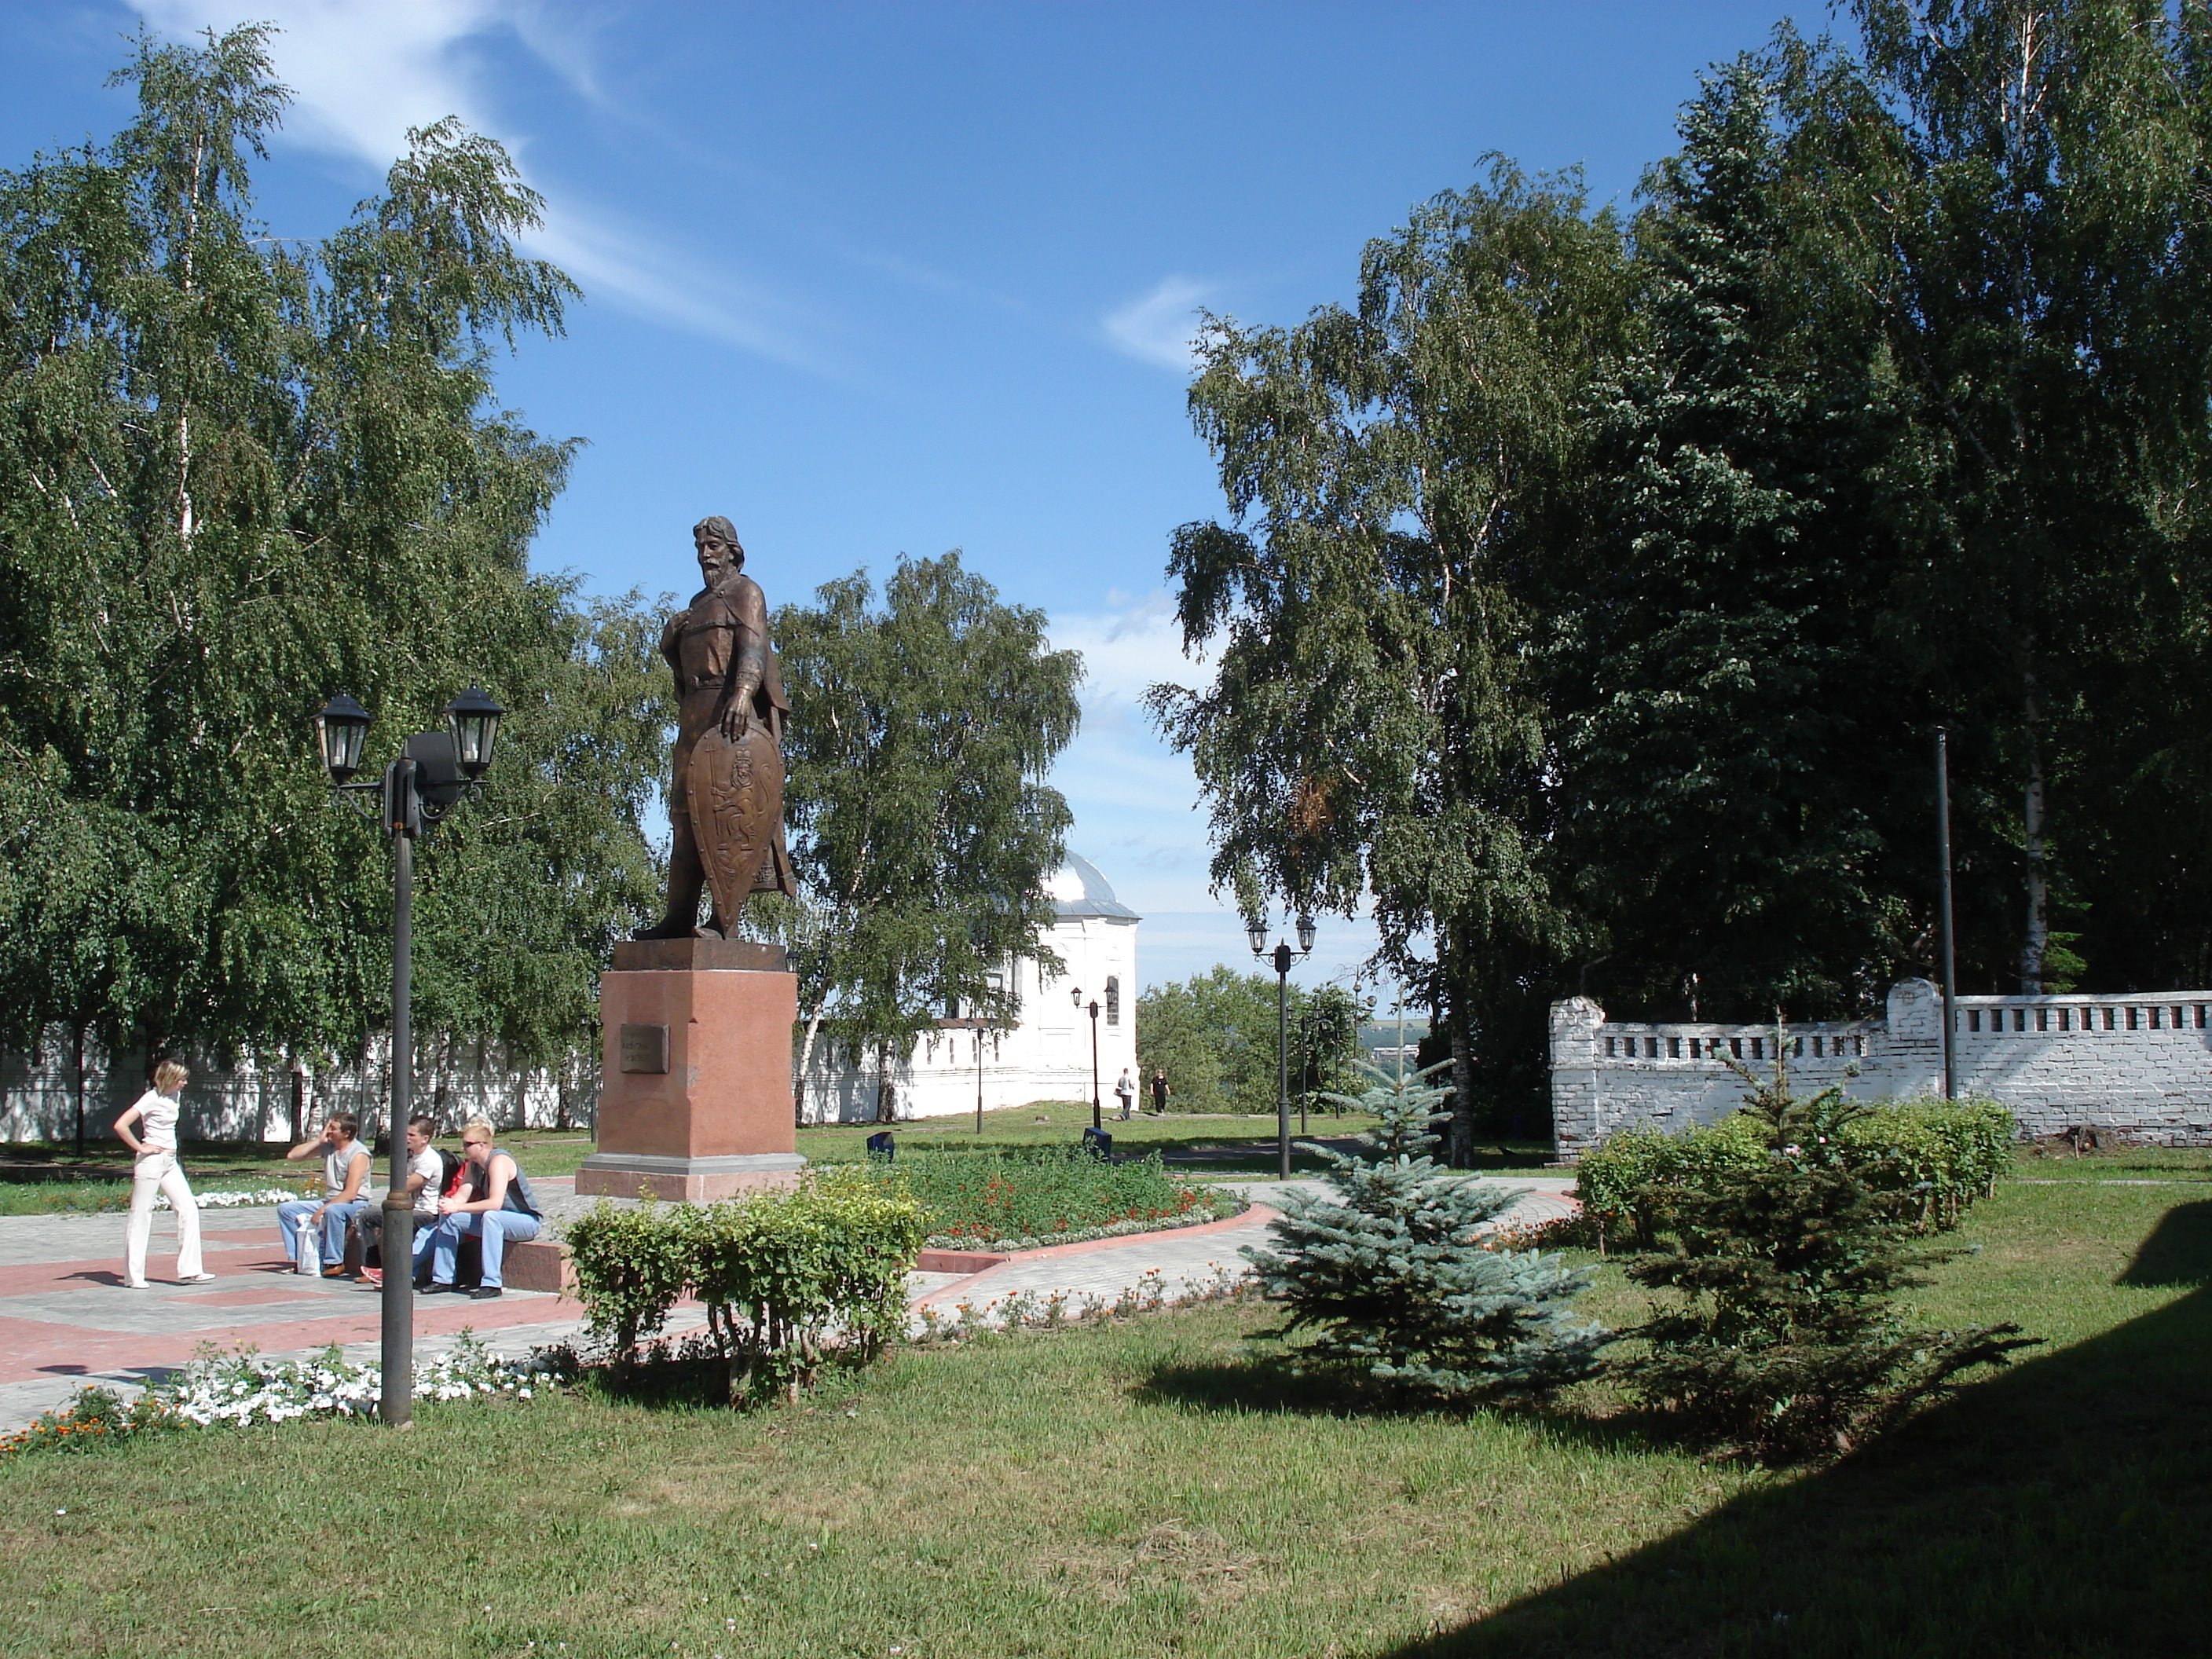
1158, 1488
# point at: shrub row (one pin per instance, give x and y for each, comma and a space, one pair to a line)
787, 1279
1937, 1155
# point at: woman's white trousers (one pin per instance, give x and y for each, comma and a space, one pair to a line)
157, 1170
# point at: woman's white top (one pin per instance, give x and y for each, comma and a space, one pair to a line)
157, 1120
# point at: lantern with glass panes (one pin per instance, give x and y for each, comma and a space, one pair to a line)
414, 793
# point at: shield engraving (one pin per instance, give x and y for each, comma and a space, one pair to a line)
736, 792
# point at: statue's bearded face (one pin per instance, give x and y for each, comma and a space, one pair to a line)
717, 558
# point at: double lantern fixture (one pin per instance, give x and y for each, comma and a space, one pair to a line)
418, 790
434, 768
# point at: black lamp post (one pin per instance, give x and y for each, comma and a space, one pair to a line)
416, 792
1256, 932
1308, 1073
978, 1026
1076, 995
1950, 959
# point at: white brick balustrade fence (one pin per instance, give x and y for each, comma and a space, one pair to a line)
2135, 1067
253, 1099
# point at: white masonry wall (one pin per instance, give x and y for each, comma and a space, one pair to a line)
2137, 1067
253, 1099
1046, 1056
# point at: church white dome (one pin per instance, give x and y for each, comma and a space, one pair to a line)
1077, 889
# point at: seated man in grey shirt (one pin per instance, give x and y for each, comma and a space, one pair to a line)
426, 1171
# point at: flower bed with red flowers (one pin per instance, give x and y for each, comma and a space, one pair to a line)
1021, 1201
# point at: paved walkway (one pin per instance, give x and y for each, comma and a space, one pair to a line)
66, 1320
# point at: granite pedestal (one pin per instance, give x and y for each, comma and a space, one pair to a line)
694, 1097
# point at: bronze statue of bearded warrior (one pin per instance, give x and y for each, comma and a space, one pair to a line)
725, 789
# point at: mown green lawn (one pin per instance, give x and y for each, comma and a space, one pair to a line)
1159, 1487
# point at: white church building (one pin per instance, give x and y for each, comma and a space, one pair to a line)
1047, 1055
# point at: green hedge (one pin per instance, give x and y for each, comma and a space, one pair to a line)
1945, 1153
787, 1277
1948, 1153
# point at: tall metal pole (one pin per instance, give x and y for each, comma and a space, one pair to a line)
1095, 1121
979, 1079
1305, 1067
1283, 1059
1950, 961
397, 1404
1401, 1039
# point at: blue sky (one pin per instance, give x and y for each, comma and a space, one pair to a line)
886, 279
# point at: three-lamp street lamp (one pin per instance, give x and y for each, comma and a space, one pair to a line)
1257, 932
416, 792
1075, 996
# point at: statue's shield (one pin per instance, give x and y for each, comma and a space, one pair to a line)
737, 812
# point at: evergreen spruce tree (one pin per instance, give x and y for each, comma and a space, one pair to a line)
1786, 1342
1727, 711
1394, 1276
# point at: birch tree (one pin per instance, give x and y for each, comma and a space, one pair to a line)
1399, 476
921, 827
237, 472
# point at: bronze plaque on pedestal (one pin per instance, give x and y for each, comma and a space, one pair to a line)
645, 1049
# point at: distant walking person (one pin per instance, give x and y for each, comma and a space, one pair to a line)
1160, 1093
153, 1166
1124, 1090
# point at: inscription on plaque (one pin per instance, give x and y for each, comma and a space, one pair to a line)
645, 1048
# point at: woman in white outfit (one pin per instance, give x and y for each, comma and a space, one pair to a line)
156, 1166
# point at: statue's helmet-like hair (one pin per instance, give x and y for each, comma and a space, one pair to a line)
722, 531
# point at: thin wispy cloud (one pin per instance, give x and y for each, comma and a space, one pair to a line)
599, 253
1126, 648
362, 75
1137, 801
1162, 326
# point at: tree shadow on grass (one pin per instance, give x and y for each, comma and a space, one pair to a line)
2178, 1251
1267, 1382
2063, 1507
1258, 1382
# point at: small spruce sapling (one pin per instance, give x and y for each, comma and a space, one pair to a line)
1785, 1342
1393, 1277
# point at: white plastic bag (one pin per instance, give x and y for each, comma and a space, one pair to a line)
309, 1239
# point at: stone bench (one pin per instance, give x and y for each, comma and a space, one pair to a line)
538, 1264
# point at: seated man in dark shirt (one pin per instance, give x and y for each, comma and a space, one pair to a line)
494, 1203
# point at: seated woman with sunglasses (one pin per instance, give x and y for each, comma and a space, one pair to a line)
494, 1203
